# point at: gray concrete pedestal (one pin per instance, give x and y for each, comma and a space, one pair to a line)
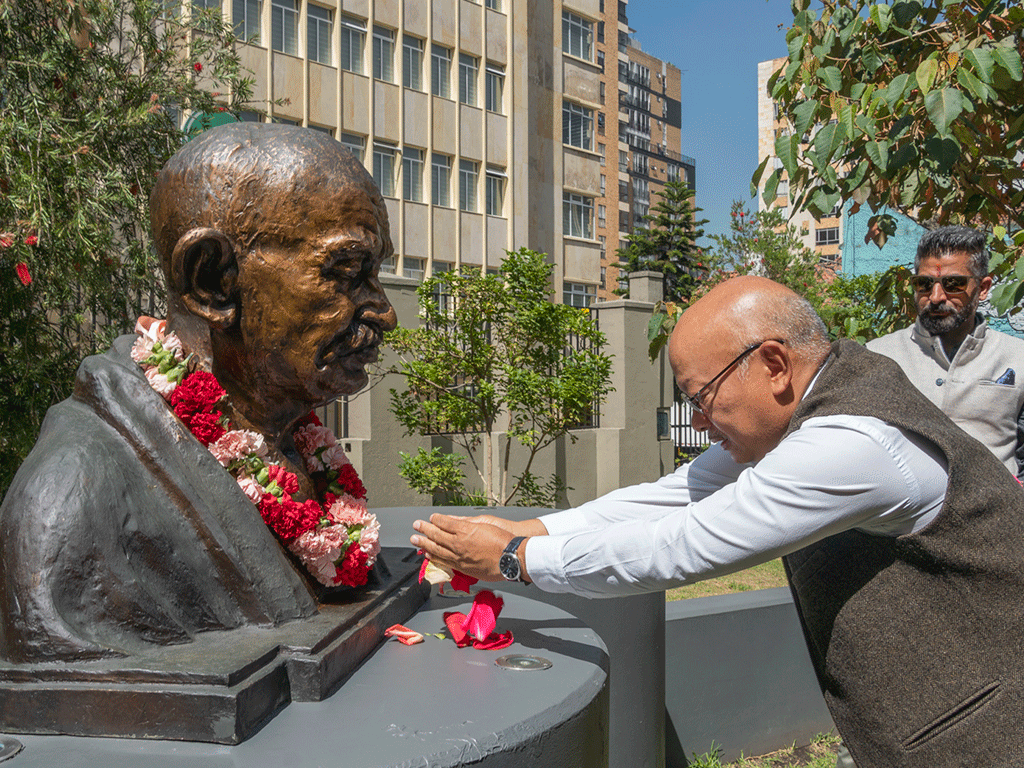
429, 704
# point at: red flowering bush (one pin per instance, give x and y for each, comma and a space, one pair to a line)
23, 274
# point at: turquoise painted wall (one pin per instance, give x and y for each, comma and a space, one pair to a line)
863, 259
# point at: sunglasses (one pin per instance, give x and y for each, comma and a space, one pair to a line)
695, 400
950, 283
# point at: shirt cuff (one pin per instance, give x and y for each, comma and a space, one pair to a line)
543, 557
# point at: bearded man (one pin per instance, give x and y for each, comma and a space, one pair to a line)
951, 355
121, 529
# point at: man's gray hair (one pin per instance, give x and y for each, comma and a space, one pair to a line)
939, 242
785, 316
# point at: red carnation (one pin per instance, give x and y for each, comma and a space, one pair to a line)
287, 518
305, 421
349, 481
353, 571
286, 481
206, 427
197, 392
197, 67
23, 274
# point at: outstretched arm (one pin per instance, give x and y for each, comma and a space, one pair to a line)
473, 545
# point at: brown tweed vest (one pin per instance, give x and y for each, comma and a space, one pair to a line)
918, 641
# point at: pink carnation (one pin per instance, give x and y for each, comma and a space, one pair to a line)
334, 457
369, 539
250, 488
151, 328
318, 549
237, 444
172, 343
159, 382
141, 349
348, 510
312, 438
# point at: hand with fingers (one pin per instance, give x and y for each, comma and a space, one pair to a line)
471, 545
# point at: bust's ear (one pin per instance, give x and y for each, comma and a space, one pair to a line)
204, 270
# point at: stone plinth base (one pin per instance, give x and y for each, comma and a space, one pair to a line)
428, 704
223, 686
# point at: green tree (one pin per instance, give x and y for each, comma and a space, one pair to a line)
668, 242
912, 105
90, 91
763, 243
493, 355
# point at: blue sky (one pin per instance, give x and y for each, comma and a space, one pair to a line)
717, 45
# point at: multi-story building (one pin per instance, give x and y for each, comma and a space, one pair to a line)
454, 106
822, 235
638, 136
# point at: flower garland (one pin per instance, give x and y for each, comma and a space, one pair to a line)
335, 537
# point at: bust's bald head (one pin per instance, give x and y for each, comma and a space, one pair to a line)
250, 181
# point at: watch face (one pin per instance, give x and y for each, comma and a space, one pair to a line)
508, 565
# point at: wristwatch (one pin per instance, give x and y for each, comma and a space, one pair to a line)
508, 563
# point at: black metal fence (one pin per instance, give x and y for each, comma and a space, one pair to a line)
689, 442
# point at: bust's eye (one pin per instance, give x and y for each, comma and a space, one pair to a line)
346, 264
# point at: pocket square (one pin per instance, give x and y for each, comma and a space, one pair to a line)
1009, 378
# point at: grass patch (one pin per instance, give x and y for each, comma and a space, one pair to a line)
820, 753
764, 576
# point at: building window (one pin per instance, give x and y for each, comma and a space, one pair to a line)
602, 216
284, 26
578, 294
826, 236
440, 179
495, 88
440, 70
384, 168
495, 191
577, 36
354, 144
600, 60
388, 265
494, 5
319, 24
600, 151
412, 62
412, 267
246, 17
383, 54
322, 129
600, 123
353, 35
412, 174
468, 175
672, 172
624, 161
577, 125
577, 216
469, 67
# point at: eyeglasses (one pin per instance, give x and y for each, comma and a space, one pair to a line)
695, 400
950, 283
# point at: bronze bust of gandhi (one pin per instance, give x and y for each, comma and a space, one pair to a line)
121, 532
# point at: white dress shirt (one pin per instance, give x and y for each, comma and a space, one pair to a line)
713, 516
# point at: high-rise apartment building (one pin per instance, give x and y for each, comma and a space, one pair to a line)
454, 107
822, 235
638, 135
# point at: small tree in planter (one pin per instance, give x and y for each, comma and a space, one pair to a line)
495, 364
